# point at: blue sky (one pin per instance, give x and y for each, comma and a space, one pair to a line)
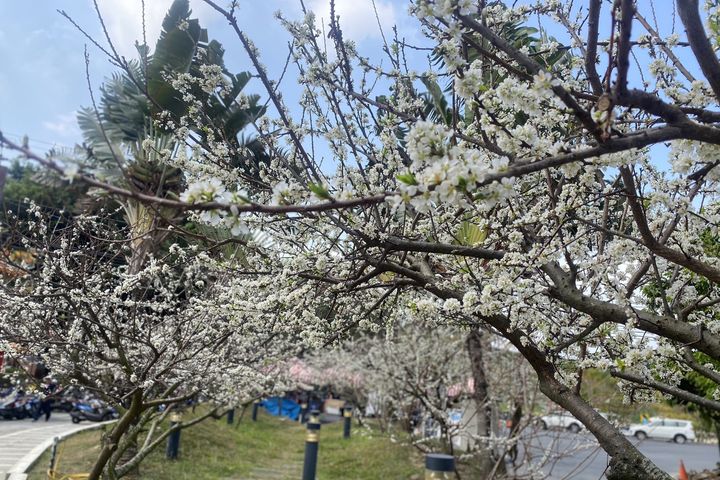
42, 72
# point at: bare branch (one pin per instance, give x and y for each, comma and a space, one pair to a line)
689, 11
669, 389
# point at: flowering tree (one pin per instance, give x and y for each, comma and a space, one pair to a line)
542, 206
405, 373
419, 372
146, 341
120, 303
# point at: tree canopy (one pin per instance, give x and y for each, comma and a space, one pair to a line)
557, 195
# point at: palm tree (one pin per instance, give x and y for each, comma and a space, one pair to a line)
128, 139
126, 145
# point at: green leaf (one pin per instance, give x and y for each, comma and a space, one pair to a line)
407, 178
470, 234
178, 11
174, 53
319, 190
437, 107
462, 184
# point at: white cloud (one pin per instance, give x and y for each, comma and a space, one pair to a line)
124, 21
357, 17
65, 125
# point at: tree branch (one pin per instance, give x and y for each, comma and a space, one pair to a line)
669, 389
592, 38
623, 49
699, 43
602, 311
680, 258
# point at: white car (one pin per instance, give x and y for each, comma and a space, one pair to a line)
679, 431
561, 420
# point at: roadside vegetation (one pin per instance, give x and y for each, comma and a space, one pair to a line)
269, 448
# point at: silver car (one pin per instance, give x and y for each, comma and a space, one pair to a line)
679, 431
561, 420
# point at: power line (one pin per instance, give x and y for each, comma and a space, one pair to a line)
34, 140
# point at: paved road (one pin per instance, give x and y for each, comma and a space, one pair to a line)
18, 438
581, 458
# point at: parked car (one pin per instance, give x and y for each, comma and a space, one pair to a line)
679, 431
561, 420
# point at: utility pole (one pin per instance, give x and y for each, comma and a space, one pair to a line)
3, 177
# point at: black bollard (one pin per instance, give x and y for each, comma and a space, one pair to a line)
173, 442
347, 416
256, 405
312, 444
53, 454
231, 416
439, 466
303, 413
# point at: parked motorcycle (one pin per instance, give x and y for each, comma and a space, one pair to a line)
84, 411
17, 406
64, 402
65, 398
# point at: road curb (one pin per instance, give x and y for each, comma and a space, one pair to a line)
19, 471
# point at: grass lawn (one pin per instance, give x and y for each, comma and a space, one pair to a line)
270, 448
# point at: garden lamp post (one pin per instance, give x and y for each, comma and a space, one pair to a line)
231, 416
347, 417
303, 412
312, 444
173, 442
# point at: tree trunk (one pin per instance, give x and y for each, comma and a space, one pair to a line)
627, 463
128, 453
110, 441
143, 243
486, 460
515, 429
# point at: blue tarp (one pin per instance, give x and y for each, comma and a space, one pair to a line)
281, 406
